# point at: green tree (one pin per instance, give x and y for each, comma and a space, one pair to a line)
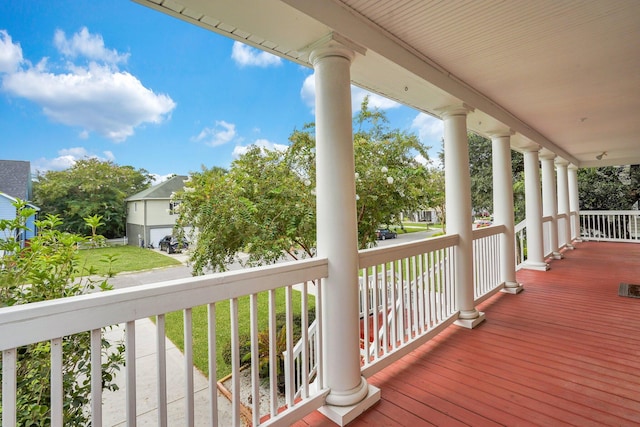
48, 269
264, 205
90, 187
609, 188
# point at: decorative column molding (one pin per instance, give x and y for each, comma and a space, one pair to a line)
535, 247
458, 209
574, 201
550, 200
337, 234
503, 208
563, 199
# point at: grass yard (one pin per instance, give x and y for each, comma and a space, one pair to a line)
412, 227
125, 258
175, 327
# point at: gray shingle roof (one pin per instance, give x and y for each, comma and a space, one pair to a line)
162, 190
15, 178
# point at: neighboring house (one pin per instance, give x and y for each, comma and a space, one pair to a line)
151, 214
15, 183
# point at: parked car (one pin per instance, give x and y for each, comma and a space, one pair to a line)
385, 233
172, 245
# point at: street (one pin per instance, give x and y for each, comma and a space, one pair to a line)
126, 280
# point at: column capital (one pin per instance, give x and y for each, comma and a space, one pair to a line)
531, 147
572, 167
333, 44
500, 133
561, 162
547, 155
461, 109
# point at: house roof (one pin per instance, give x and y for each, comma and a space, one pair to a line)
160, 191
15, 178
13, 199
559, 75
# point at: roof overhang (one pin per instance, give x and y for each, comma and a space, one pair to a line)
564, 76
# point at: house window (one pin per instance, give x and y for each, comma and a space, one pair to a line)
135, 206
174, 207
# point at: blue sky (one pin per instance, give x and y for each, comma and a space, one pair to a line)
118, 81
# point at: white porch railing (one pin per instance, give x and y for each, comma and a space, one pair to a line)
52, 320
408, 297
521, 243
486, 261
610, 226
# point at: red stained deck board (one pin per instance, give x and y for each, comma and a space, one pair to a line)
565, 351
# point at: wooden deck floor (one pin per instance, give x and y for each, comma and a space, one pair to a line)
565, 351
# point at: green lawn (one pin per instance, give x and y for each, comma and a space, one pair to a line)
125, 258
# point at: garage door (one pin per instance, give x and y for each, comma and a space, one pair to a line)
155, 234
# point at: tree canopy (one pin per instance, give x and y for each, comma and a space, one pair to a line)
609, 188
90, 187
264, 205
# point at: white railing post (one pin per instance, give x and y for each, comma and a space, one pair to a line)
458, 210
535, 255
503, 208
350, 394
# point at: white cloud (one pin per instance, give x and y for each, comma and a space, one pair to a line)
246, 56
220, 134
421, 159
67, 157
308, 92
10, 53
157, 179
96, 98
308, 95
375, 101
262, 143
429, 128
85, 44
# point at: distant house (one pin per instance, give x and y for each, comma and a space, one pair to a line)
15, 183
151, 214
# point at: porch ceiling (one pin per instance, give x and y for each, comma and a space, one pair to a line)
564, 75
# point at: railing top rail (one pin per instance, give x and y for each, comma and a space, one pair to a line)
492, 230
23, 324
628, 212
377, 256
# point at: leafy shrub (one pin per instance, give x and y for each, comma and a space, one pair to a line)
46, 269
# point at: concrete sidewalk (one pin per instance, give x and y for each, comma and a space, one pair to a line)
114, 403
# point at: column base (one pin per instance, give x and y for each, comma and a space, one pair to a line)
557, 255
569, 246
342, 415
539, 266
512, 288
471, 323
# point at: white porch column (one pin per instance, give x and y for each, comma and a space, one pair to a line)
337, 234
535, 247
458, 210
503, 209
563, 198
550, 201
574, 201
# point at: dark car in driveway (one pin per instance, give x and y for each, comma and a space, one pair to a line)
385, 233
172, 245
